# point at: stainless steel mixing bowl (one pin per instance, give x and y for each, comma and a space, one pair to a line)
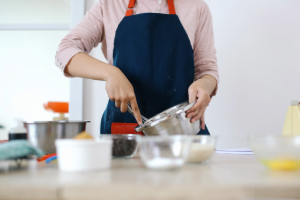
171, 122
44, 133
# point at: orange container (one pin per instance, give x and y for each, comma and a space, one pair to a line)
57, 107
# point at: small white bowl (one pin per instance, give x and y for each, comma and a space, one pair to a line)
83, 155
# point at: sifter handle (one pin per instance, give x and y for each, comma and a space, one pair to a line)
189, 106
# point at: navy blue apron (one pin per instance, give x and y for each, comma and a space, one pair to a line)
154, 52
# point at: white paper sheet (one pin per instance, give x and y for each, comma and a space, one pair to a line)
241, 151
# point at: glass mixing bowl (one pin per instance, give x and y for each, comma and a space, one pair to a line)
124, 145
202, 148
277, 152
164, 152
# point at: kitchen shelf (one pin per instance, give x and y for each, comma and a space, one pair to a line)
34, 26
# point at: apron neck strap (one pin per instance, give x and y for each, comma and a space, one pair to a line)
171, 7
131, 4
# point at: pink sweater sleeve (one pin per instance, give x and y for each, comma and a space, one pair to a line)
82, 38
204, 49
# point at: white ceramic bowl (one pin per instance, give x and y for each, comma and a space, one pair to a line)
83, 155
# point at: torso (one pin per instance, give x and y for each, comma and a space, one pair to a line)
188, 11
154, 52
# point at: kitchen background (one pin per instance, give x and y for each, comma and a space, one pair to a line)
258, 50
28, 75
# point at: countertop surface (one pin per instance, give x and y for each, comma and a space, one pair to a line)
224, 177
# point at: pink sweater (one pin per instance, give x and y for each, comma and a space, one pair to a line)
101, 22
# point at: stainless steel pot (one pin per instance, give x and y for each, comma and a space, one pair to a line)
171, 122
44, 133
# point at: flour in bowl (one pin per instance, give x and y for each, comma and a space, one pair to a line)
164, 163
200, 152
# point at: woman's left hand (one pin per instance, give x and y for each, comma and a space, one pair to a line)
198, 93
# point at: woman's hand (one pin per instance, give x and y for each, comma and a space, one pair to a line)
120, 90
200, 92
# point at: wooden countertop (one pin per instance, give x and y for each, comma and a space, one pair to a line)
225, 177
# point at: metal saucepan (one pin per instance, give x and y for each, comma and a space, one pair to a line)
44, 133
171, 122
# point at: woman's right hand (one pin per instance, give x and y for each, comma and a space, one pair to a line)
120, 90
118, 87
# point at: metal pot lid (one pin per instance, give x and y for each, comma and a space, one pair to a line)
165, 115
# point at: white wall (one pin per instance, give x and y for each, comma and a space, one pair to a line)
35, 11
258, 45
95, 101
95, 97
28, 75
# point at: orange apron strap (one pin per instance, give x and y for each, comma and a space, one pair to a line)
171, 7
131, 4
129, 13
124, 128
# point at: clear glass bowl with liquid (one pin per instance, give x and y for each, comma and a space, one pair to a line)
277, 152
164, 152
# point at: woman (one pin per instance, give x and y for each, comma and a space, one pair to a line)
157, 58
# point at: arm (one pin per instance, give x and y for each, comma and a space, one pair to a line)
85, 66
73, 59
206, 70
207, 82
118, 87
201, 91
